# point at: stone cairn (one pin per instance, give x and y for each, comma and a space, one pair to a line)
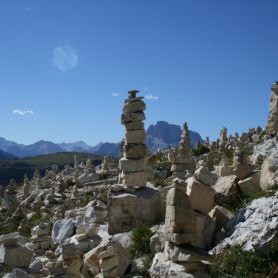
10, 197
133, 163
183, 162
41, 240
272, 127
223, 136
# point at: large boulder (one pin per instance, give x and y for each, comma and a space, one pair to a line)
62, 230
269, 174
259, 226
221, 216
201, 196
128, 210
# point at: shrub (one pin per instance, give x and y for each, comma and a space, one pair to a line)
159, 182
237, 263
140, 245
201, 149
243, 199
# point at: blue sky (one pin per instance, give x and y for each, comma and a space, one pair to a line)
66, 65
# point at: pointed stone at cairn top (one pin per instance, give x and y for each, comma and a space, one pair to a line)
132, 93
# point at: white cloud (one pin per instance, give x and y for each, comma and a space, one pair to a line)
151, 97
22, 112
25, 8
115, 94
65, 57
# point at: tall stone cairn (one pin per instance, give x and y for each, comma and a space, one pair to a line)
272, 127
184, 161
133, 162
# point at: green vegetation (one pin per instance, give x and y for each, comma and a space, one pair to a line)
237, 263
140, 246
200, 149
242, 200
4, 269
17, 168
159, 182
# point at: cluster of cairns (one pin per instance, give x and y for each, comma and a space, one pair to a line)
78, 221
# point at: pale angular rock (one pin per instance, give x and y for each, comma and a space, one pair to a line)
135, 179
221, 216
128, 210
134, 126
132, 165
135, 136
269, 174
135, 151
201, 196
15, 256
251, 184
203, 175
62, 230
226, 189
272, 127
134, 106
205, 228
222, 171
133, 117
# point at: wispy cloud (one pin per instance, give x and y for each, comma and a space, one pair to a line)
23, 112
151, 97
65, 57
25, 8
115, 94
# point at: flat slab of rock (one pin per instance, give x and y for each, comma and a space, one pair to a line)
62, 230
128, 210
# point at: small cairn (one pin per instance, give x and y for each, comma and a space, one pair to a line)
133, 163
41, 240
10, 197
184, 161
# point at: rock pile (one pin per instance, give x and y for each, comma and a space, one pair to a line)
10, 197
183, 161
133, 163
41, 240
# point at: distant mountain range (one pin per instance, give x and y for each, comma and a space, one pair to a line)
159, 136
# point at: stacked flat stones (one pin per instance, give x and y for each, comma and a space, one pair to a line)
183, 161
272, 127
133, 162
10, 197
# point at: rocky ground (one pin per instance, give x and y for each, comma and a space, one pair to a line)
211, 211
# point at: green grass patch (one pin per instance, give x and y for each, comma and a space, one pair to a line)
237, 263
140, 245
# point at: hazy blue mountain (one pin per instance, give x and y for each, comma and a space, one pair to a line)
6, 156
163, 134
38, 148
159, 136
112, 149
79, 146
